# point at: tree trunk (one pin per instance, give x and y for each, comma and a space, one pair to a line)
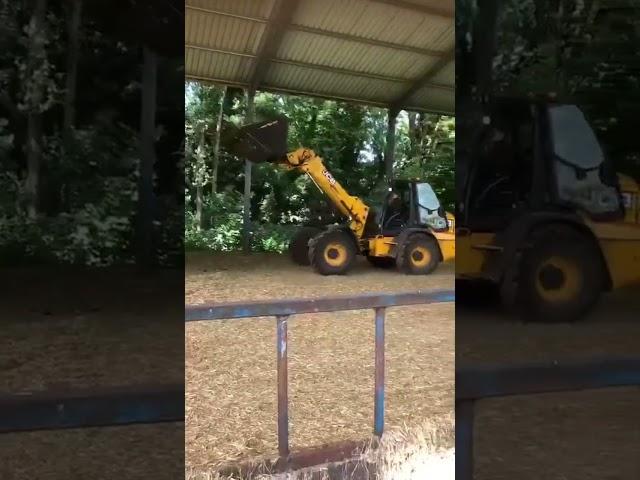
390, 145
431, 137
145, 250
199, 180
246, 214
216, 146
199, 196
561, 78
484, 36
73, 34
57, 198
474, 82
414, 135
34, 116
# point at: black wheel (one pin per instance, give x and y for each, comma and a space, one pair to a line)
332, 252
382, 262
299, 245
561, 277
420, 255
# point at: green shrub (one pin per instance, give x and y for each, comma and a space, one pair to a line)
222, 216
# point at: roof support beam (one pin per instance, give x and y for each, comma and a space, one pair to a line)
424, 79
314, 66
279, 20
211, 11
367, 41
408, 5
302, 93
327, 33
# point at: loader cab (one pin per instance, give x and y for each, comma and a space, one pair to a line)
536, 156
408, 204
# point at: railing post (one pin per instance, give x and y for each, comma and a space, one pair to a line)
378, 399
464, 439
283, 387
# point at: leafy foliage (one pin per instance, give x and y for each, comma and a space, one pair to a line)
86, 177
583, 51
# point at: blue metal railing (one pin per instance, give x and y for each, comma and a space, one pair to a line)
474, 384
119, 406
282, 310
23, 412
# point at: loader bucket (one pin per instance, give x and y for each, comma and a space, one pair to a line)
257, 142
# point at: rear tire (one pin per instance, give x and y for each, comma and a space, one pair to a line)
420, 255
382, 262
332, 252
561, 277
299, 245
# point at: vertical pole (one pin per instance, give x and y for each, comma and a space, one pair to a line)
246, 216
283, 380
216, 147
389, 152
378, 399
464, 439
73, 33
145, 250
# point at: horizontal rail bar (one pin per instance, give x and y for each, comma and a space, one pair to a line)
221, 311
91, 408
478, 383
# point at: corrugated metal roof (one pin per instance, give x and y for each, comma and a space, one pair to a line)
358, 57
379, 52
437, 98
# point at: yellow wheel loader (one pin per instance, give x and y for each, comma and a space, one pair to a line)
542, 215
410, 231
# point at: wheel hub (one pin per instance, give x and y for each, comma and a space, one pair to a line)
559, 279
333, 253
552, 277
420, 256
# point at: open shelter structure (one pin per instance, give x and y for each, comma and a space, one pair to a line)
394, 54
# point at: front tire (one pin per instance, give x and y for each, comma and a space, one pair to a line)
299, 245
561, 277
419, 256
332, 252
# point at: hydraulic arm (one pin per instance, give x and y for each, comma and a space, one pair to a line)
351, 207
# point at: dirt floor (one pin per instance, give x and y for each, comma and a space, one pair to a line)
568, 436
79, 328
230, 366
64, 329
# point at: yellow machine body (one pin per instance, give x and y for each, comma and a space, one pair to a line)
619, 243
356, 210
381, 246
